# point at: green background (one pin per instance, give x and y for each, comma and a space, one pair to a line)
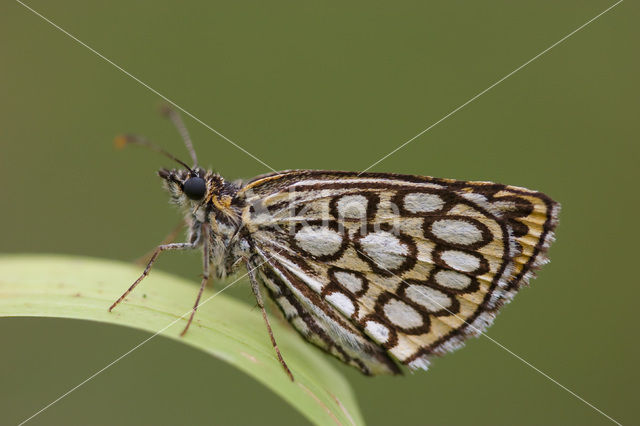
331, 86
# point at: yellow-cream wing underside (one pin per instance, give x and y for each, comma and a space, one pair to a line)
375, 264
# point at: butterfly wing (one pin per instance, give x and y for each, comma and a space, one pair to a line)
318, 321
393, 264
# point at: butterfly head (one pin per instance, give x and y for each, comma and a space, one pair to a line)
187, 184
190, 187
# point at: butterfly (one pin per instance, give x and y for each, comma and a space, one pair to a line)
377, 269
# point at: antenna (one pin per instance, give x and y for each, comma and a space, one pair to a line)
175, 118
122, 140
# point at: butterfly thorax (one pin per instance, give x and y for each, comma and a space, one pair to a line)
217, 210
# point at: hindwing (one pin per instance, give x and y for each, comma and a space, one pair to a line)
375, 264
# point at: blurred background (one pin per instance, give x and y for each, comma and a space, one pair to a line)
324, 85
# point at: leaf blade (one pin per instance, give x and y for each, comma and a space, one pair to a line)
83, 288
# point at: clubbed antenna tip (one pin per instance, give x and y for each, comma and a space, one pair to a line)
121, 141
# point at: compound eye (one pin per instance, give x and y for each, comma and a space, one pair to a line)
195, 188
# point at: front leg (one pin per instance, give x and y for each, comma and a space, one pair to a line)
154, 256
171, 237
206, 260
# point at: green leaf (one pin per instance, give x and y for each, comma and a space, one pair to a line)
83, 288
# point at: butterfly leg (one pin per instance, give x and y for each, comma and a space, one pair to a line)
205, 277
154, 256
255, 287
171, 237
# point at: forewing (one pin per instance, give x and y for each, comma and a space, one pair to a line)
414, 264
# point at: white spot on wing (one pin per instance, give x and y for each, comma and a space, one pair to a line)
351, 282
452, 279
384, 249
432, 299
456, 231
352, 206
460, 260
377, 331
419, 202
342, 302
318, 240
401, 314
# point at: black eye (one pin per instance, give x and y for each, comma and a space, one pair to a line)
194, 188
